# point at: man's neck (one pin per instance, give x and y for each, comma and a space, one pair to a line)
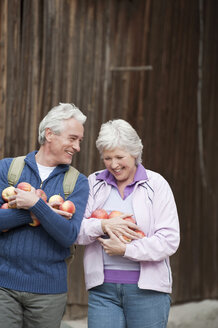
43, 159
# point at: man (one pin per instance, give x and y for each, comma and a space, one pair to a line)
33, 272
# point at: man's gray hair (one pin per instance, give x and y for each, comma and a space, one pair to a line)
119, 134
56, 117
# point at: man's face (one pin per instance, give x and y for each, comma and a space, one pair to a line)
62, 147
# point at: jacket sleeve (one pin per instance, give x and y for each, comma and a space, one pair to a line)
90, 227
10, 218
165, 237
62, 230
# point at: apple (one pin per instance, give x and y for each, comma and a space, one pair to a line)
99, 213
114, 214
24, 186
127, 238
7, 192
41, 194
140, 232
56, 199
4, 206
35, 222
68, 206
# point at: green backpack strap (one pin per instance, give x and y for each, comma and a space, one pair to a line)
15, 170
70, 179
69, 182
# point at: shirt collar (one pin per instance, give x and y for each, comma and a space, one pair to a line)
109, 178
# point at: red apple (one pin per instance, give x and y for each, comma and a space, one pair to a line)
127, 238
7, 206
4, 206
24, 186
41, 194
55, 199
114, 214
68, 206
140, 232
130, 219
7, 192
35, 222
99, 213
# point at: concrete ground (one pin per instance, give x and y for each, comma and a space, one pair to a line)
194, 315
81, 323
190, 315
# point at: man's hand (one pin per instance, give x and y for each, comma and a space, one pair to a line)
24, 199
54, 206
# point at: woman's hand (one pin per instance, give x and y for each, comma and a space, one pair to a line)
120, 227
24, 199
114, 245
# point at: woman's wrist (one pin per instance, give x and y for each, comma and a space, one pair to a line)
103, 225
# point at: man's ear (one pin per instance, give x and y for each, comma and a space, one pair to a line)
48, 134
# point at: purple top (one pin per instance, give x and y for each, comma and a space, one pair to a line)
123, 276
109, 178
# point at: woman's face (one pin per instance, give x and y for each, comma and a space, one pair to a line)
121, 164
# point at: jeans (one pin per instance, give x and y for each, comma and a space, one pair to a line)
127, 306
28, 310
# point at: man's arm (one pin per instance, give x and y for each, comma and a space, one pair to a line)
62, 230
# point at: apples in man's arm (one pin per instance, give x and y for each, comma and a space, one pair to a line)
58, 203
41, 194
8, 192
68, 206
56, 199
24, 186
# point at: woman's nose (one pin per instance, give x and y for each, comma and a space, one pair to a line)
114, 163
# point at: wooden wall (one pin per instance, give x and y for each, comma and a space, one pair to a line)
151, 62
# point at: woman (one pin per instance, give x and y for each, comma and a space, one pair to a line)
129, 282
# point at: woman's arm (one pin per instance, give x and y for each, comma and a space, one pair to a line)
166, 235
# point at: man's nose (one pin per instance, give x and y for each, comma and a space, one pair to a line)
76, 145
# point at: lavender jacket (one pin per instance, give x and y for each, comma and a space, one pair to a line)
156, 214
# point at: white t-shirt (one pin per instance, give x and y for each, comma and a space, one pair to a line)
44, 171
115, 202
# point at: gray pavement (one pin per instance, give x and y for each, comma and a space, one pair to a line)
80, 323
189, 315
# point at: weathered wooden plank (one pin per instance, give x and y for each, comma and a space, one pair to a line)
3, 70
